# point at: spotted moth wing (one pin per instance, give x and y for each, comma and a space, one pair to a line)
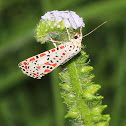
43, 63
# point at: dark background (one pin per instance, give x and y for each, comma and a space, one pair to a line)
25, 101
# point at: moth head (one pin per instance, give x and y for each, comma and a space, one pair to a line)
77, 35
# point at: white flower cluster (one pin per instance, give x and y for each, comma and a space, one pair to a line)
70, 18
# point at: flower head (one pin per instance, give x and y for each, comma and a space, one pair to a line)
70, 18
54, 23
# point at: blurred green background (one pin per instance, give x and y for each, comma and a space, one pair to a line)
25, 101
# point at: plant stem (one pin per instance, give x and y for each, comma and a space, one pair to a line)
78, 94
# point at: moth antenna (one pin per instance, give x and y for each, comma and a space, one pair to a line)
94, 29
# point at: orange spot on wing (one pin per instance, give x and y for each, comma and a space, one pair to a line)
54, 64
63, 54
61, 47
35, 74
32, 59
47, 63
53, 50
54, 58
25, 67
59, 58
38, 67
25, 63
43, 54
46, 70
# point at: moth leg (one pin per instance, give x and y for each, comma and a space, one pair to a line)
81, 30
54, 41
55, 45
68, 34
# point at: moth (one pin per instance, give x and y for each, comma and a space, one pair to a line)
43, 63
